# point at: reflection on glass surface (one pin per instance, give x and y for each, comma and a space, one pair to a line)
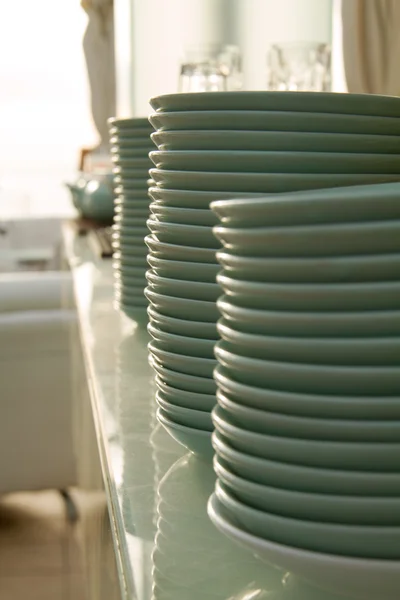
191, 559
165, 546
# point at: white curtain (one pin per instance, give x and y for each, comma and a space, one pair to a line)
371, 46
98, 45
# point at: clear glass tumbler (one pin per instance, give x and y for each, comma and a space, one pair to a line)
299, 67
211, 68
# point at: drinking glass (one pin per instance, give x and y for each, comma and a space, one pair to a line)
211, 68
299, 67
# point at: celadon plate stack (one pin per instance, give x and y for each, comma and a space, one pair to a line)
190, 558
272, 142
130, 145
225, 145
182, 293
307, 426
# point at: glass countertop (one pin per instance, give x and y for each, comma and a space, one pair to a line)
166, 547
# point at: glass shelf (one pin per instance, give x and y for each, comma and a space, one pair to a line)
166, 547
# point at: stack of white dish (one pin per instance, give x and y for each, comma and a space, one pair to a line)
307, 424
130, 145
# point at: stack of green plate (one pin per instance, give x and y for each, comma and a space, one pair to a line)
130, 145
182, 292
223, 145
308, 418
274, 141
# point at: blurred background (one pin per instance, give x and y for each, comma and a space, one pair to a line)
45, 112
46, 118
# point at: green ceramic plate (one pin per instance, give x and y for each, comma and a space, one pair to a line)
189, 235
195, 440
129, 245
130, 153
130, 260
353, 104
191, 365
128, 187
309, 296
369, 408
197, 329
133, 286
189, 417
140, 196
128, 123
178, 252
355, 577
198, 347
188, 271
124, 210
125, 222
131, 135
182, 308
349, 540
328, 269
197, 290
127, 273
313, 324
275, 140
126, 164
124, 281
337, 205
276, 423
363, 456
123, 231
124, 214
187, 216
187, 399
279, 120
246, 161
130, 250
191, 199
259, 182
310, 240
309, 378
123, 140
124, 240
307, 479
183, 381
354, 510
130, 210
349, 351
127, 270
128, 175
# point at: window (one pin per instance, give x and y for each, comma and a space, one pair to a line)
44, 104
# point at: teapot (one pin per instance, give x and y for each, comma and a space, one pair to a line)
92, 195
98, 199
77, 189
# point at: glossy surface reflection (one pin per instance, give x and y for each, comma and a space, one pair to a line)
165, 545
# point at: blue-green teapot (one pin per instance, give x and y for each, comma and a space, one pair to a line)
77, 189
93, 196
